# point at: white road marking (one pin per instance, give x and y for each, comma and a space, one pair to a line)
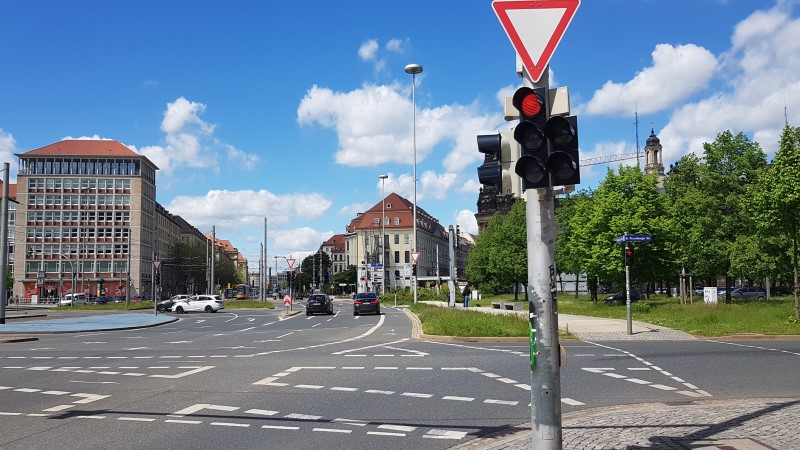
572, 402
332, 430
501, 402
302, 417
261, 412
461, 399
188, 422
136, 419
230, 424
279, 427
445, 434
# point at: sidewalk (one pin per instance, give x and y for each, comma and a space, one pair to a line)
751, 424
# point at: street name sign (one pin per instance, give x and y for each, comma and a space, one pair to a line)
635, 238
535, 28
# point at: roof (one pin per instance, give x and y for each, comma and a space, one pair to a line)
395, 206
83, 147
12, 191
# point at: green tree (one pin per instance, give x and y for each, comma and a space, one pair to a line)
347, 276
776, 199
310, 270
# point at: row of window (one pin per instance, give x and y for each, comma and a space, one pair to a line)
73, 216
377, 221
85, 267
71, 250
79, 167
82, 200
79, 233
78, 183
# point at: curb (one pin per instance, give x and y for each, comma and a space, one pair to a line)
11, 340
131, 327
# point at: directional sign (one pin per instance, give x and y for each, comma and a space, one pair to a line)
535, 29
635, 238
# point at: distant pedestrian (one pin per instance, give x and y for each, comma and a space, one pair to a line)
466, 294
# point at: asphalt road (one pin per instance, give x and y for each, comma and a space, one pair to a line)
247, 379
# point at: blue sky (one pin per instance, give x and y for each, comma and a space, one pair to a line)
291, 110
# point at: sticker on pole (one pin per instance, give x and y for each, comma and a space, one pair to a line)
535, 29
414, 256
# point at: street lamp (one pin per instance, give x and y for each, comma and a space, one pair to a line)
383, 231
414, 69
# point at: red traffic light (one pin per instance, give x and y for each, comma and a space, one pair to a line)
527, 102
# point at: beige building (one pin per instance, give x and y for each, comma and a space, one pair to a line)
86, 220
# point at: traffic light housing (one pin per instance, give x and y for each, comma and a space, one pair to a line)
628, 252
531, 166
414, 270
158, 277
502, 153
549, 145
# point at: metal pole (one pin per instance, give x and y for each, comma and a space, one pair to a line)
451, 283
208, 290
628, 289
213, 257
153, 282
383, 231
414, 69
128, 286
266, 264
4, 245
543, 313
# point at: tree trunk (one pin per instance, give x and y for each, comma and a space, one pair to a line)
794, 257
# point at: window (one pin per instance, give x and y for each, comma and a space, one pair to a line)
408, 256
396, 257
405, 239
397, 221
386, 221
377, 221
396, 238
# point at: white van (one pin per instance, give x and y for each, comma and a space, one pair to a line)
73, 299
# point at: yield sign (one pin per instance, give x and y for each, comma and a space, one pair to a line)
157, 264
535, 29
290, 262
414, 256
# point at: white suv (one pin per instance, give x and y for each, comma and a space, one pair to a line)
73, 299
207, 303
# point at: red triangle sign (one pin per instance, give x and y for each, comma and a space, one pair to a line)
535, 28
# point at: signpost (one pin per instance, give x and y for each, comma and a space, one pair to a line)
628, 257
535, 29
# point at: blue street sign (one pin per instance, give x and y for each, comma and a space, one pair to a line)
635, 238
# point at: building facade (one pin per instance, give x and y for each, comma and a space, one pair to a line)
86, 220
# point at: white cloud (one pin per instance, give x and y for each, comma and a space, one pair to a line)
763, 71
352, 209
372, 125
8, 146
397, 45
190, 142
466, 221
471, 186
368, 50
436, 185
676, 74
297, 242
251, 207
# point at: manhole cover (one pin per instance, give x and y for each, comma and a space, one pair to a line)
726, 444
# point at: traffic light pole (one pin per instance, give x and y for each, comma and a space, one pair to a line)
628, 286
543, 313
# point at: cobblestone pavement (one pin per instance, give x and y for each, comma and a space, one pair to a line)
753, 424
662, 334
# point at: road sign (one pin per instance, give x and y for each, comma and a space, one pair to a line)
156, 264
290, 262
535, 29
414, 256
634, 238
287, 301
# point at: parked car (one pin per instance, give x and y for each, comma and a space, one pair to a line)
749, 292
319, 303
73, 299
167, 305
619, 297
207, 303
366, 302
102, 300
781, 291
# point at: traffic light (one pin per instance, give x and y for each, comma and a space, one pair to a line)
549, 144
534, 151
563, 163
502, 152
628, 256
158, 277
414, 270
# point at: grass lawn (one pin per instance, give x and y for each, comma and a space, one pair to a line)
775, 316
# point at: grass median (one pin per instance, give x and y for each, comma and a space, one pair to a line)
773, 317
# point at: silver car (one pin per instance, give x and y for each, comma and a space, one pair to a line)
207, 303
749, 292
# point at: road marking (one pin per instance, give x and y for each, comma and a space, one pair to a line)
347, 389
309, 386
461, 399
397, 428
279, 427
416, 394
572, 402
385, 433
230, 424
184, 374
302, 417
357, 423
136, 419
188, 422
444, 434
332, 430
376, 391
501, 402
261, 412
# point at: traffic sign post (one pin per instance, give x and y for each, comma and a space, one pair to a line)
628, 258
535, 29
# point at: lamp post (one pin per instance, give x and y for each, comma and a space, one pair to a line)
414, 69
383, 231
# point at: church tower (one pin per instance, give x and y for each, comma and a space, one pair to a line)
654, 158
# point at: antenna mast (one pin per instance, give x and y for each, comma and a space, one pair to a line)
636, 123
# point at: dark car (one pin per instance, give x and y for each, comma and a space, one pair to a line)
102, 300
366, 302
319, 303
749, 292
619, 297
781, 290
